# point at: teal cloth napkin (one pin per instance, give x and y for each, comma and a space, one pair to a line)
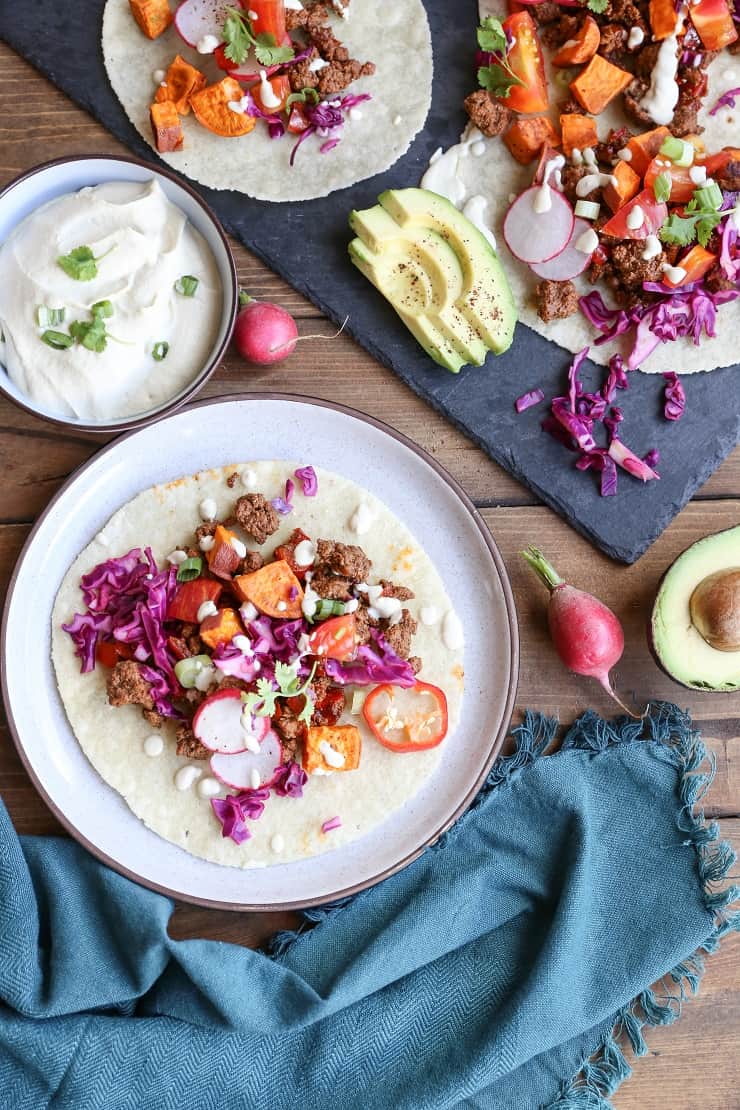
508, 968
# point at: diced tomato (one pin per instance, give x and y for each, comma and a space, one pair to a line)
189, 598
713, 23
221, 60
280, 86
682, 187
298, 119
335, 638
267, 16
654, 216
286, 551
527, 62
407, 720
696, 263
177, 647
110, 652
329, 709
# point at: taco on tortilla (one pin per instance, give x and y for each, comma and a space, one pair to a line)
260, 659
279, 100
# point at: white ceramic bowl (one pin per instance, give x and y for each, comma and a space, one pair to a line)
35, 188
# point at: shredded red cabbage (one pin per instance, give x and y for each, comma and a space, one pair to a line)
284, 505
332, 823
127, 600
235, 809
729, 258
727, 100
675, 398
527, 400
289, 780
306, 475
326, 117
374, 663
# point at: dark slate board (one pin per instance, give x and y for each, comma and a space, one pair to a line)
307, 244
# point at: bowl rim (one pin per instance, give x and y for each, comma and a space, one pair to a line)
187, 395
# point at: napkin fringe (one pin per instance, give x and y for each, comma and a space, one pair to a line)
601, 1074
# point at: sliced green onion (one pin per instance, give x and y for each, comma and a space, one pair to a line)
103, 309
679, 151
49, 317
662, 187
187, 671
190, 569
186, 285
325, 607
57, 339
358, 700
587, 209
159, 350
709, 196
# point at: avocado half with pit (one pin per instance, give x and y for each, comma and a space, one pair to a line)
695, 626
439, 272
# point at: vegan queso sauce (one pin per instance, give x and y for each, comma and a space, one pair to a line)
110, 302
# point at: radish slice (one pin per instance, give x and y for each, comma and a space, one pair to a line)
218, 723
533, 236
194, 19
247, 76
570, 262
236, 770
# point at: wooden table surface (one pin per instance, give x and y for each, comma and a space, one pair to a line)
696, 1063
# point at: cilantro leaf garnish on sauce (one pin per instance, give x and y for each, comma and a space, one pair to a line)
81, 264
698, 222
239, 37
498, 77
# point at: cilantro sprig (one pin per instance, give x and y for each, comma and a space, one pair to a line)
498, 77
263, 703
91, 334
81, 264
698, 222
598, 6
239, 37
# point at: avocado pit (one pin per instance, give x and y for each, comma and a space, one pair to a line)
715, 609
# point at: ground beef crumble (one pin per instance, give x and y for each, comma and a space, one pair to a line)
189, 746
345, 559
333, 587
488, 115
127, 686
256, 516
400, 635
556, 300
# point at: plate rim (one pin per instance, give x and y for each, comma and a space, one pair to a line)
497, 740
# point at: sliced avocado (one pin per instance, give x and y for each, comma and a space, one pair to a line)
439, 272
696, 616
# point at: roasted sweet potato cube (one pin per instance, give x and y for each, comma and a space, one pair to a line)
274, 589
153, 16
222, 559
627, 186
211, 109
579, 132
221, 628
598, 84
526, 137
181, 82
645, 147
332, 748
166, 127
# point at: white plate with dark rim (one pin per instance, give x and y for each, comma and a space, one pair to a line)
210, 434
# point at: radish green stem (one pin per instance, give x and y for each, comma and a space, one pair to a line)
545, 571
244, 298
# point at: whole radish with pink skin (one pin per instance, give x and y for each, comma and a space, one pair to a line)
264, 333
587, 636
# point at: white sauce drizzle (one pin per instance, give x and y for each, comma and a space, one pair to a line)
576, 157
267, 94
397, 120
207, 509
249, 478
158, 76
635, 38
205, 543
103, 539
207, 609
186, 776
305, 553
652, 248
625, 154
386, 608
153, 746
277, 844
207, 44
177, 556
587, 241
661, 98
362, 519
543, 199
674, 274
429, 614
331, 756
593, 181
310, 600
589, 157
354, 113
698, 174
317, 65
442, 176
248, 611
474, 208
255, 778
294, 5
452, 631
208, 787
635, 218
239, 547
